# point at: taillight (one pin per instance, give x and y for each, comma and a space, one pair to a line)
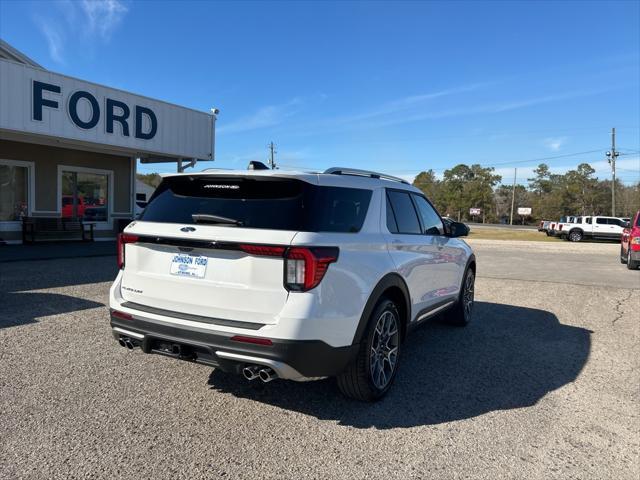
304, 267
123, 239
561, 227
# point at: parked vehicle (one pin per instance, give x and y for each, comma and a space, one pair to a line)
596, 227
544, 226
67, 206
298, 276
630, 243
562, 224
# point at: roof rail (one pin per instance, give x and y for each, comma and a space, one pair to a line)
363, 173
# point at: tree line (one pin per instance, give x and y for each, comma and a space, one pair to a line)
549, 195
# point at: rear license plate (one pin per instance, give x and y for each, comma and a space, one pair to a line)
193, 266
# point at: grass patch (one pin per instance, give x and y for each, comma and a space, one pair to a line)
488, 233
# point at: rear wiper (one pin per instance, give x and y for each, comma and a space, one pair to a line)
207, 218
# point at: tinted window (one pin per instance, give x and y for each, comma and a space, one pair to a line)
431, 223
404, 212
615, 221
601, 221
272, 203
392, 226
638, 221
587, 220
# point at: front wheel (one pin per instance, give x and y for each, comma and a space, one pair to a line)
460, 314
575, 235
371, 374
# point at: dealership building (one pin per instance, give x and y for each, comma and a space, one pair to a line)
69, 148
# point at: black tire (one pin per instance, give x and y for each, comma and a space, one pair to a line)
631, 265
623, 260
461, 313
548, 233
361, 380
576, 235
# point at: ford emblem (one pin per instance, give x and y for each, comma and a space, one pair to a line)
188, 229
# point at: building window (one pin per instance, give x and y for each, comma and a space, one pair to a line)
85, 195
14, 192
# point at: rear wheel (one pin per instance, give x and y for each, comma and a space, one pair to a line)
631, 265
460, 314
575, 235
371, 374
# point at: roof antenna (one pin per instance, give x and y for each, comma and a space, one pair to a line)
256, 165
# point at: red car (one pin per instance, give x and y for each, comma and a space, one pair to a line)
630, 243
67, 206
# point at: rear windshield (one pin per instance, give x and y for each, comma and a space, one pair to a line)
638, 221
271, 203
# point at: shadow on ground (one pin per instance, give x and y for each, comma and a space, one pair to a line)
510, 357
26, 307
55, 273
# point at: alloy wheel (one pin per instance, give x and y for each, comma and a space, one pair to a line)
467, 296
384, 349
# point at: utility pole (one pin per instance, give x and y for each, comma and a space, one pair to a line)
513, 195
272, 150
611, 157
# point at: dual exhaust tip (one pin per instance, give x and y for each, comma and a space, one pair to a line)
266, 374
126, 342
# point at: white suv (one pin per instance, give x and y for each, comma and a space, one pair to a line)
292, 275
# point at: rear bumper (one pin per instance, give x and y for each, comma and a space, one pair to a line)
291, 359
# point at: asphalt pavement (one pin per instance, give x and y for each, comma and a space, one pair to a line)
545, 383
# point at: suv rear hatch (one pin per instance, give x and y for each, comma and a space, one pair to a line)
212, 246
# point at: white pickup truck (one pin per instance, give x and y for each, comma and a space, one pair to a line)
561, 225
596, 227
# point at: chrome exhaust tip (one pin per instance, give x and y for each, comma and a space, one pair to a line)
128, 343
122, 342
251, 372
267, 374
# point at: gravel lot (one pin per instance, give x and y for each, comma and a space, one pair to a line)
544, 384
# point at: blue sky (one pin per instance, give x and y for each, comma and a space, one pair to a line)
397, 87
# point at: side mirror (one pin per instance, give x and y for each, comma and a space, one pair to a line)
458, 229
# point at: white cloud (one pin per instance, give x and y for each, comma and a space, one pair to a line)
404, 104
268, 116
554, 143
416, 108
91, 19
103, 16
54, 40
